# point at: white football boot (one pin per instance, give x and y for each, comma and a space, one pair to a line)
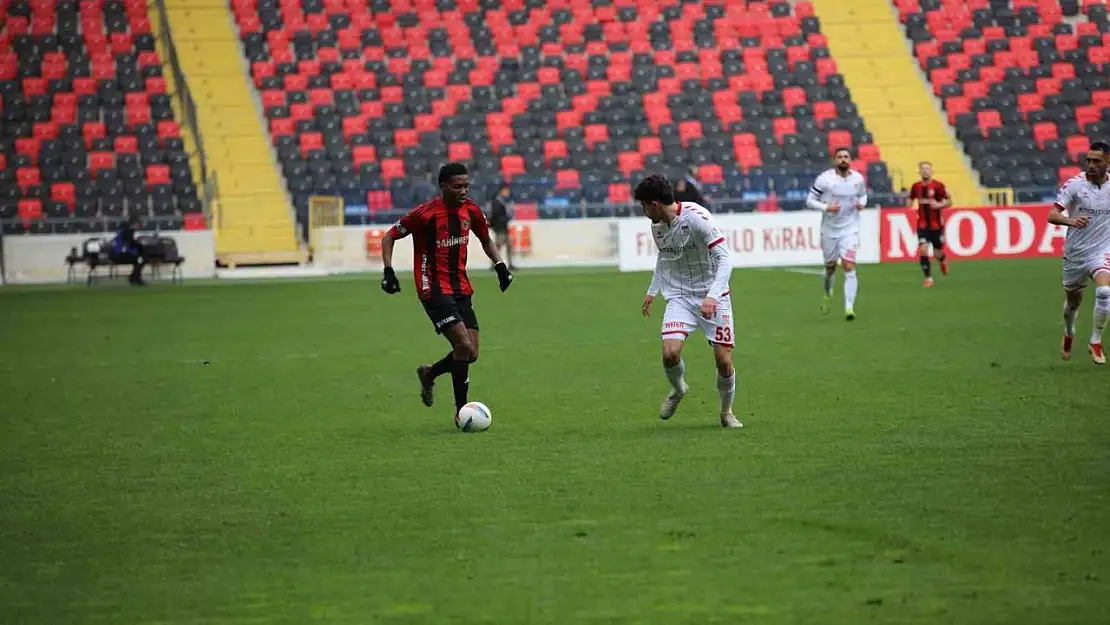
670, 405
729, 420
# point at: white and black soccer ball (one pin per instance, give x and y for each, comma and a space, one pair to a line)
474, 417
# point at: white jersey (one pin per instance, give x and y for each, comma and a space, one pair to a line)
693, 260
850, 191
1080, 198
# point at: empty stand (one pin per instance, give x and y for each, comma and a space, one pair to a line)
1026, 84
566, 99
255, 220
88, 133
867, 41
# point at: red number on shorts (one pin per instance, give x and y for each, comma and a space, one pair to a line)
724, 335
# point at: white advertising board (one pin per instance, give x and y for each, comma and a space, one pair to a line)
755, 239
547, 243
30, 259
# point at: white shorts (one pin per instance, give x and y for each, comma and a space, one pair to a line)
683, 316
841, 247
1076, 273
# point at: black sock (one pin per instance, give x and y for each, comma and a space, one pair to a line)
926, 266
443, 366
460, 380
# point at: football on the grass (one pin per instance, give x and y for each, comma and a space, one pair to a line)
474, 417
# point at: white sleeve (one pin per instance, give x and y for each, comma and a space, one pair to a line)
656, 278
813, 200
1066, 198
861, 197
710, 235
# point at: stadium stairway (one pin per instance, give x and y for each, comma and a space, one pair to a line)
254, 223
869, 46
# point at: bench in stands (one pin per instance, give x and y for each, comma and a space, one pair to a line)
96, 253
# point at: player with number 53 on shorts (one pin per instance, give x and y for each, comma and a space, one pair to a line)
692, 271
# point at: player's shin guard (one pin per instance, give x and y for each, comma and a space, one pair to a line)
460, 381
676, 375
829, 282
1102, 313
926, 266
726, 387
851, 287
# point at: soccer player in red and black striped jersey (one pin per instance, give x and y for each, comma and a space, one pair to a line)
441, 231
932, 198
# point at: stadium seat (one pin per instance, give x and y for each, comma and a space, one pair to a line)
1023, 86
542, 94
82, 97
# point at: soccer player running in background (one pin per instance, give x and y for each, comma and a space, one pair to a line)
441, 231
692, 271
932, 198
840, 193
1083, 205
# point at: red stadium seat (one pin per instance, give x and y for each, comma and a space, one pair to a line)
364, 154
869, 153
567, 179
628, 162
512, 165
988, 120
157, 175
1043, 131
554, 149
63, 192
30, 209
710, 174
28, 177
650, 145
460, 152
620, 193
101, 160
1078, 146
392, 168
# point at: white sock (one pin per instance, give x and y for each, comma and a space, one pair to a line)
726, 387
1102, 312
675, 374
1069, 319
851, 285
828, 283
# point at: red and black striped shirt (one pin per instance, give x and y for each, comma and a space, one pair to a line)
929, 217
440, 236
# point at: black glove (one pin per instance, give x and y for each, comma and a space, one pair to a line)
389, 282
504, 276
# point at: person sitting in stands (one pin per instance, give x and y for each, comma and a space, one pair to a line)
127, 250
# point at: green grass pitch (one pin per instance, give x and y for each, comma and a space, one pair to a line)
257, 453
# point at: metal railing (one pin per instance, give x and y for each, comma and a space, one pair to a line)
198, 158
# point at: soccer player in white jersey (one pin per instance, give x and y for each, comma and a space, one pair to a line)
840, 193
692, 271
1083, 205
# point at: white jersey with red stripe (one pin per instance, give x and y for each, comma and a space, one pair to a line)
1079, 197
693, 260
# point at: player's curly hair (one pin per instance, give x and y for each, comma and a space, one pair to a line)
1100, 146
655, 188
450, 170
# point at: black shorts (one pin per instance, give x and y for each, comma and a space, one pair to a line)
447, 310
932, 237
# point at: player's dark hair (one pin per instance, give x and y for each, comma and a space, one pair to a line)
655, 188
450, 170
839, 150
1100, 146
